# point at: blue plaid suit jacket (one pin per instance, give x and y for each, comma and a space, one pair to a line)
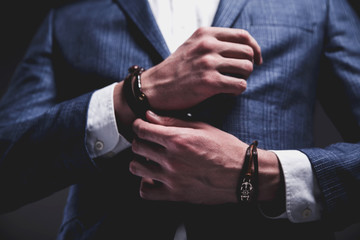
311, 50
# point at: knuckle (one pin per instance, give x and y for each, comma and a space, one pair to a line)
207, 62
201, 31
135, 146
166, 166
208, 80
132, 167
140, 131
248, 67
136, 125
137, 122
239, 87
207, 44
249, 51
171, 170
242, 85
178, 141
244, 34
144, 193
186, 143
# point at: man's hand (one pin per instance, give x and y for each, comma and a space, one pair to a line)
205, 65
212, 61
194, 162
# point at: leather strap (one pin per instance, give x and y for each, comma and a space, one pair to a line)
134, 96
247, 188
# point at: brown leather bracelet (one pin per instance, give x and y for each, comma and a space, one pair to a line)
134, 96
247, 188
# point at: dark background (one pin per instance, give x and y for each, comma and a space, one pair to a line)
40, 221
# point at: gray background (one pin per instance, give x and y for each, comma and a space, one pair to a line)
41, 220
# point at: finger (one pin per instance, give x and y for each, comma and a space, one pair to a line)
148, 181
146, 170
172, 122
230, 84
152, 132
240, 67
158, 192
237, 51
239, 36
148, 150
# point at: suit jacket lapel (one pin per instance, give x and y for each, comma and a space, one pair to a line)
140, 13
228, 11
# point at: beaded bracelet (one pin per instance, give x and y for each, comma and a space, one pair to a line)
247, 188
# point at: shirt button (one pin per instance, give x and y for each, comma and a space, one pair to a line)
99, 145
306, 213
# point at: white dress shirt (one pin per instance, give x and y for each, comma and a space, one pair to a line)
177, 20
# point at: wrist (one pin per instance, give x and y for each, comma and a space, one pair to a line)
124, 115
271, 181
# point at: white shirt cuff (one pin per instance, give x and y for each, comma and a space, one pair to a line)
302, 191
102, 135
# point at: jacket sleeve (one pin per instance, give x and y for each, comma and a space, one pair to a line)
42, 147
337, 167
